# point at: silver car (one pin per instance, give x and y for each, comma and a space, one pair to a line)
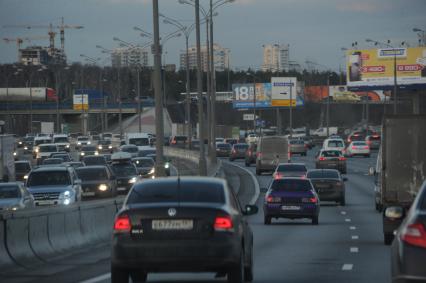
14, 196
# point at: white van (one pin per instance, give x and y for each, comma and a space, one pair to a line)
62, 142
271, 151
334, 144
141, 140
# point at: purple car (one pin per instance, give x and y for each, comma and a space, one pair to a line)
292, 198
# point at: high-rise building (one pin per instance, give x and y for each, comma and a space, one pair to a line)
130, 57
276, 57
221, 58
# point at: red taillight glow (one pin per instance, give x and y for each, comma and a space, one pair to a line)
173, 142
259, 155
322, 158
414, 234
310, 200
366, 147
354, 147
342, 158
223, 223
272, 199
122, 224
278, 176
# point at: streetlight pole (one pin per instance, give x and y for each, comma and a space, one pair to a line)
291, 110
327, 115
159, 124
201, 129
138, 89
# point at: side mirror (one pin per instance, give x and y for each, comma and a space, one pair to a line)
371, 171
250, 209
394, 212
345, 179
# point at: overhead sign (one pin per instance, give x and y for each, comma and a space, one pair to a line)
376, 67
244, 95
248, 117
81, 101
284, 91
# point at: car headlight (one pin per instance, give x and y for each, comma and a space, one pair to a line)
110, 147
88, 142
25, 177
15, 153
79, 143
20, 143
67, 194
14, 208
67, 146
152, 171
99, 146
67, 201
82, 153
132, 181
103, 187
96, 153
26, 147
167, 165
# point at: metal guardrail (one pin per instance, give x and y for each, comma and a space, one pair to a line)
69, 106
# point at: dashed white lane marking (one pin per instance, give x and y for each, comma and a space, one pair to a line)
343, 212
347, 220
355, 237
352, 227
354, 249
347, 267
98, 278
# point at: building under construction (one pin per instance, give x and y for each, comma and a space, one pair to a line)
38, 55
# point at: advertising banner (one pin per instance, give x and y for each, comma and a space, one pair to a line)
340, 93
284, 90
244, 95
80, 101
376, 67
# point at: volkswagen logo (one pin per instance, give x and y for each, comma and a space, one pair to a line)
172, 212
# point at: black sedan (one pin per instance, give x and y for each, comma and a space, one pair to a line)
409, 246
186, 224
97, 181
329, 184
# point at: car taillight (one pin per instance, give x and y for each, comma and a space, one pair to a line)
349, 140
278, 176
223, 223
122, 224
322, 158
342, 158
173, 142
259, 155
366, 147
414, 234
310, 200
272, 199
233, 151
353, 147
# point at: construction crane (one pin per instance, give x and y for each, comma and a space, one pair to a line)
20, 40
51, 32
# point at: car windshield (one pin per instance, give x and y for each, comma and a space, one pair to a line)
241, 146
374, 138
107, 136
335, 144
38, 142
48, 148
124, 170
92, 174
22, 166
103, 142
60, 140
359, 143
148, 162
292, 168
130, 149
96, 138
188, 191
83, 139
180, 138
9, 192
331, 153
52, 161
144, 153
323, 174
291, 185
139, 142
89, 148
49, 178
64, 157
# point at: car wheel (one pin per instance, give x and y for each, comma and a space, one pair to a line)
267, 220
315, 220
230, 159
236, 274
119, 275
258, 171
343, 201
138, 276
388, 238
248, 271
367, 156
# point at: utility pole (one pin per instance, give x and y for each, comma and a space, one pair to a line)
138, 89
213, 87
202, 161
291, 110
327, 115
210, 142
159, 124
188, 95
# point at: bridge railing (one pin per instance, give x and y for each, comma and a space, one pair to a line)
69, 106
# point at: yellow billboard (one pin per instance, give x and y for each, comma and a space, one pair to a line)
376, 67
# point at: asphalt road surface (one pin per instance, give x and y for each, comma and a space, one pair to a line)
346, 246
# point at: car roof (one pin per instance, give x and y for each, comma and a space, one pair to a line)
50, 168
173, 180
92, 167
48, 144
287, 163
142, 158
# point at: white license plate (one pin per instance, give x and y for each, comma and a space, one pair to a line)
121, 188
290, 207
45, 202
172, 224
88, 194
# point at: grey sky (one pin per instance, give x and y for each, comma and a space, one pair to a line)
315, 29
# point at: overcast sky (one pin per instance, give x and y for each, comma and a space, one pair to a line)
315, 29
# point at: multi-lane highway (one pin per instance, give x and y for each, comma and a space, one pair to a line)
347, 246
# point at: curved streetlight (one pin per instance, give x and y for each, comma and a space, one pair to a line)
422, 36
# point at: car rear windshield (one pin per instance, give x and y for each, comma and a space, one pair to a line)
139, 142
9, 192
48, 148
144, 162
52, 161
297, 142
60, 139
335, 144
22, 166
92, 174
359, 143
357, 137
223, 145
180, 138
187, 192
323, 174
89, 148
64, 157
49, 178
241, 146
124, 170
104, 142
291, 185
292, 168
272, 144
94, 160
331, 153
374, 138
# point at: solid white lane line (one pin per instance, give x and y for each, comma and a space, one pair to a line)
97, 278
348, 220
355, 237
352, 227
343, 212
347, 267
354, 249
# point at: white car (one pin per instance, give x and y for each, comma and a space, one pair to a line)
62, 142
252, 138
82, 141
358, 148
44, 151
334, 144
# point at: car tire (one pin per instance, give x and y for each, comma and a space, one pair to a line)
247, 164
267, 220
230, 159
315, 220
236, 273
138, 276
248, 271
119, 275
367, 156
342, 201
258, 172
388, 238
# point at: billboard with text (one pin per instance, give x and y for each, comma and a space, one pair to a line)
284, 90
244, 95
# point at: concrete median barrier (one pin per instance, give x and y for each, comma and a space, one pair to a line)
5, 260
73, 229
57, 235
39, 237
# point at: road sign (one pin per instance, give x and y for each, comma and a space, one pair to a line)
248, 117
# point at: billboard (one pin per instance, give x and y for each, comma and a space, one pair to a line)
284, 90
375, 67
81, 101
341, 93
244, 95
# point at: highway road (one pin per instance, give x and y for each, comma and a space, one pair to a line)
346, 246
